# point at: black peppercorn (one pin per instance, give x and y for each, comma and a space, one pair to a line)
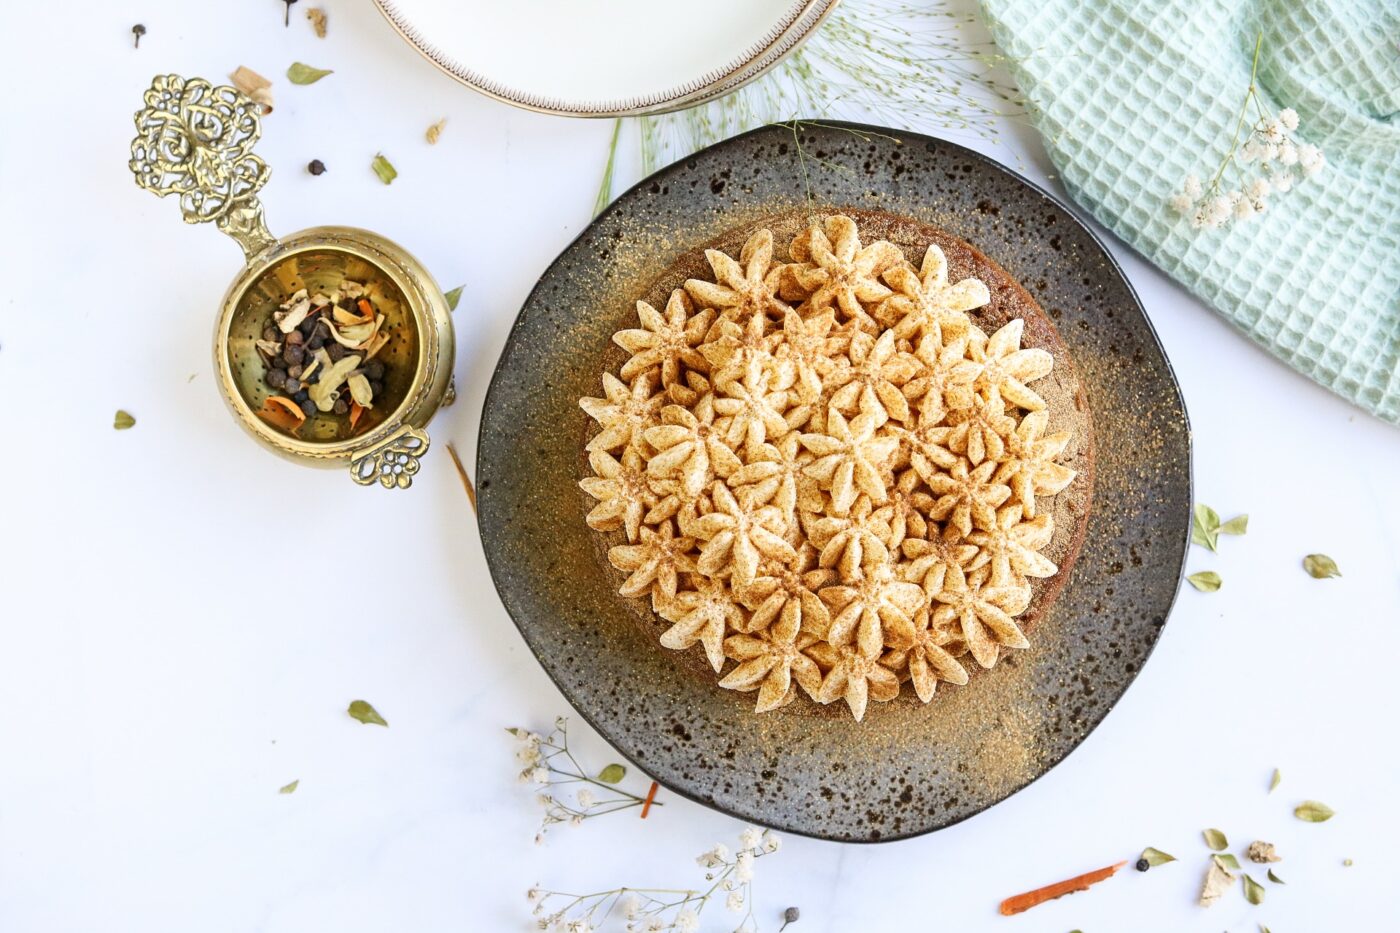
294, 370
374, 370
138, 31
791, 915
292, 386
301, 396
296, 337
335, 351
341, 406
308, 325
309, 407
271, 333
277, 378
294, 354
316, 341
316, 167
1142, 864
376, 388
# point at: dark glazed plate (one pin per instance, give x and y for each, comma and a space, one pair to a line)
909, 768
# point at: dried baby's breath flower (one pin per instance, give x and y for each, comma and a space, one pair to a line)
729, 880
317, 17
819, 504
1267, 142
549, 766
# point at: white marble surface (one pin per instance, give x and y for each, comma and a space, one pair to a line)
171, 657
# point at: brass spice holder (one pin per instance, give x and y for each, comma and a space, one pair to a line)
195, 140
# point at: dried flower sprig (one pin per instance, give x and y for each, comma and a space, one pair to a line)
665, 910
546, 761
1269, 144
913, 66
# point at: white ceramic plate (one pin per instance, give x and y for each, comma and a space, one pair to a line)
603, 57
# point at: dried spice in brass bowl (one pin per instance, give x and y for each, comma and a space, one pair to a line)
320, 354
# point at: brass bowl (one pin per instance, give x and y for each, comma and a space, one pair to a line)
195, 140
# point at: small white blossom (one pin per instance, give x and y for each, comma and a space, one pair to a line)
1244, 209
750, 838
1272, 130
1180, 203
631, 906
534, 895
716, 856
1270, 152
576, 820
687, 921
579, 926
735, 900
586, 798
1258, 189
539, 839
1310, 158
1191, 187
655, 925
1289, 118
743, 867
771, 843
540, 775
1251, 151
1287, 153
1281, 181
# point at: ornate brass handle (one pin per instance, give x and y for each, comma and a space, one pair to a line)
196, 140
392, 461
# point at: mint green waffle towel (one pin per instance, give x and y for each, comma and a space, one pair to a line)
1131, 97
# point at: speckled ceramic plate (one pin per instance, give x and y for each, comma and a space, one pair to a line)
909, 768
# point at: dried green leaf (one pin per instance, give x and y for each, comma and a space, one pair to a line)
1314, 812
365, 713
289, 788
1227, 860
1274, 782
1253, 891
453, 297
1235, 526
518, 733
304, 74
1207, 581
123, 420
1216, 840
1263, 929
1157, 857
435, 131
1347, 863
1320, 566
612, 773
1274, 878
1205, 526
